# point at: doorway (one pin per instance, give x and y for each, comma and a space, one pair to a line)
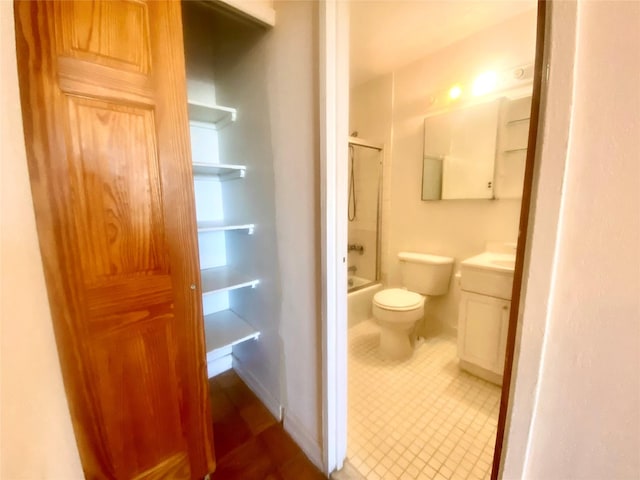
336, 378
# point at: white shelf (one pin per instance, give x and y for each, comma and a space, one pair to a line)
220, 227
225, 328
221, 279
221, 172
211, 116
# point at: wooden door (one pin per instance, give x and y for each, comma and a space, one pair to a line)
104, 105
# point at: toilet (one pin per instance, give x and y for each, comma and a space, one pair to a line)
397, 310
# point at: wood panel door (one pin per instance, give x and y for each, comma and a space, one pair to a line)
104, 108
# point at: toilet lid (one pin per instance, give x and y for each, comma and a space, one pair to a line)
398, 299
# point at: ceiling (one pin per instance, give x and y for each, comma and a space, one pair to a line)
387, 34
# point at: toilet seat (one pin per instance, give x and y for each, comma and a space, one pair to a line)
398, 300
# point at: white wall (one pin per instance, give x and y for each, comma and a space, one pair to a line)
457, 228
279, 92
586, 421
293, 91
36, 437
549, 168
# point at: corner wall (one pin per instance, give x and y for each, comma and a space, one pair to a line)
586, 419
292, 81
276, 81
36, 436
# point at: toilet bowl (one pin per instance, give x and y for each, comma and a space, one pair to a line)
398, 310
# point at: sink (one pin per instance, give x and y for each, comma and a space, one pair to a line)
510, 263
489, 273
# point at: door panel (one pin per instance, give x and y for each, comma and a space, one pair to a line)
104, 109
148, 425
114, 164
482, 330
114, 34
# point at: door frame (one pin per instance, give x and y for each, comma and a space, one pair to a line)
334, 118
334, 125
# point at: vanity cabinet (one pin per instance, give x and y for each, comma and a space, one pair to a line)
482, 330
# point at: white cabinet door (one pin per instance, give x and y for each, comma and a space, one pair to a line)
482, 330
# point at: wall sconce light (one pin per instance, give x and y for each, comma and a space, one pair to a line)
489, 82
484, 83
455, 92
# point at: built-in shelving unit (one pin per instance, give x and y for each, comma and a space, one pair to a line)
221, 172
225, 328
222, 227
220, 279
215, 117
234, 191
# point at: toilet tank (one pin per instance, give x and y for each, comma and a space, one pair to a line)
424, 273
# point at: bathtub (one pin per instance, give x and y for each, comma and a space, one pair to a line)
356, 283
359, 299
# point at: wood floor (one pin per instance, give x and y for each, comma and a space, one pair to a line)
250, 443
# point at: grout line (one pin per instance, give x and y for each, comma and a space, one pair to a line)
461, 409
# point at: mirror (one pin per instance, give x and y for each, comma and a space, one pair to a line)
477, 151
463, 143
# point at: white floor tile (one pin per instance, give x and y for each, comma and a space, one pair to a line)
423, 418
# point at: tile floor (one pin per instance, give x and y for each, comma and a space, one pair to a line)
420, 419
250, 444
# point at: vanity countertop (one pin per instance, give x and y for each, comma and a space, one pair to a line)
499, 262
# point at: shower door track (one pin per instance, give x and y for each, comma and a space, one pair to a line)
358, 142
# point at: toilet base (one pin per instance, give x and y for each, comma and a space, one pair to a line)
395, 343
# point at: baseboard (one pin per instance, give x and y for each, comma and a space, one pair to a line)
483, 373
348, 472
309, 445
450, 330
269, 401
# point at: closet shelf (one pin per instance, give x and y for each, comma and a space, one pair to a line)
226, 328
221, 227
221, 172
211, 116
222, 279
